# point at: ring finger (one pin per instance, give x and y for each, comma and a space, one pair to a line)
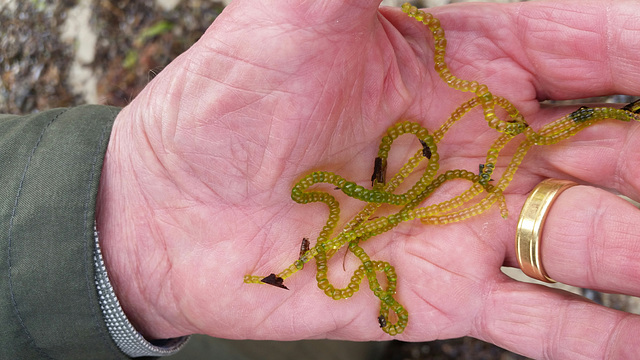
591, 239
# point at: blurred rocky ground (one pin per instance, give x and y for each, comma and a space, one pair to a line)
70, 52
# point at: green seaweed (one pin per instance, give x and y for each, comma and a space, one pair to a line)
364, 226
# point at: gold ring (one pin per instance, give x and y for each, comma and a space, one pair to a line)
529, 230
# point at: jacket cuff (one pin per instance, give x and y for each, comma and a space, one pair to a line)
128, 339
50, 166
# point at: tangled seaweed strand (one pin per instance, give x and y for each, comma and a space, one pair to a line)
468, 204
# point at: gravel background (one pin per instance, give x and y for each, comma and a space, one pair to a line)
70, 52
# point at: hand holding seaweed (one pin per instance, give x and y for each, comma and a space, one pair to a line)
362, 227
305, 96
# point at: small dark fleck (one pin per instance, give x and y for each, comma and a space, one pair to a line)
274, 280
486, 177
379, 171
426, 151
382, 321
582, 114
304, 247
633, 107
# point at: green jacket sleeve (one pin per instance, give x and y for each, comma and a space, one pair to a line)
50, 166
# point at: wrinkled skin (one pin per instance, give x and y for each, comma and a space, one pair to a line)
196, 186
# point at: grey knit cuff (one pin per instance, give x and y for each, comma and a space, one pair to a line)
122, 332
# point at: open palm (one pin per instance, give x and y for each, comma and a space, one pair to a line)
196, 187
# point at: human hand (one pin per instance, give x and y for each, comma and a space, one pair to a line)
196, 187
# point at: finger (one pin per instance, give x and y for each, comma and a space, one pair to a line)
338, 15
591, 239
566, 49
595, 56
545, 323
603, 154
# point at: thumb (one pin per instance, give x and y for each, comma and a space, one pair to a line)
337, 15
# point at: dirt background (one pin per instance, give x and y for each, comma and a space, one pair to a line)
71, 52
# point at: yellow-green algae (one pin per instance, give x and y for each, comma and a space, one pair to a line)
364, 226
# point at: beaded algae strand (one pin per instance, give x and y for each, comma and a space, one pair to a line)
482, 193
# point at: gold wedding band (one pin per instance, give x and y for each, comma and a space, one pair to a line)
529, 230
